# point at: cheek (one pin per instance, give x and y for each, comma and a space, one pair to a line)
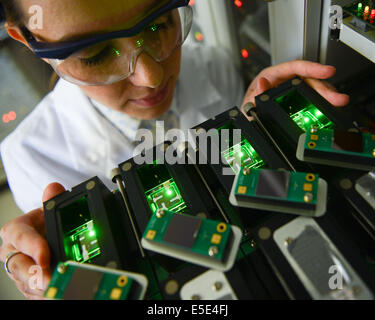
110, 95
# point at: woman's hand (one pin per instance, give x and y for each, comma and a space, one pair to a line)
312, 72
26, 234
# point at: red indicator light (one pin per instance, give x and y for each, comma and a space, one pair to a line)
192, 2
238, 3
8, 117
372, 14
245, 53
199, 36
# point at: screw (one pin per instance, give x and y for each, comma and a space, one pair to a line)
160, 213
127, 166
296, 82
356, 290
90, 185
264, 98
213, 251
345, 184
61, 268
264, 233
233, 113
314, 129
288, 241
217, 286
308, 197
50, 205
246, 171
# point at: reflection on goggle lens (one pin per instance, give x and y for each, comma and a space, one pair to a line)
114, 60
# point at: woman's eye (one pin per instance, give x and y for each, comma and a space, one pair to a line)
98, 58
162, 23
158, 26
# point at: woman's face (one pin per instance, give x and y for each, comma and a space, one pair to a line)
148, 92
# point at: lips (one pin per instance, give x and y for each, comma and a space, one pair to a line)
153, 99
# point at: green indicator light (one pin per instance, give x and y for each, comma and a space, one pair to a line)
154, 28
140, 42
117, 52
92, 233
307, 120
360, 6
169, 192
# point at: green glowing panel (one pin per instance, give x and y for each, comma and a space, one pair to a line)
309, 117
83, 243
303, 112
166, 196
242, 155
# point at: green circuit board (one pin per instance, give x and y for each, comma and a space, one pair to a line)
187, 233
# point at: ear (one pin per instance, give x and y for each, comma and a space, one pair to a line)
15, 33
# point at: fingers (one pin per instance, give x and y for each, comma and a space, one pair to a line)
329, 92
305, 69
52, 190
29, 278
25, 238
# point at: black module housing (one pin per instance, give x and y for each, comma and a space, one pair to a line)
249, 131
104, 208
278, 122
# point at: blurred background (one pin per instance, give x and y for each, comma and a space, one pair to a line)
256, 33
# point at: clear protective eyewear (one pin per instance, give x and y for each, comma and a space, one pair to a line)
114, 59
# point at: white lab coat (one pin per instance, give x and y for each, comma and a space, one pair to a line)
66, 140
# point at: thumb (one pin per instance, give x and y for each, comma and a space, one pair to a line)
52, 190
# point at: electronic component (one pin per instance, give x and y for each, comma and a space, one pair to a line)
358, 28
211, 285
81, 228
83, 242
337, 148
365, 186
204, 242
160, 188
165, 196
290, 109
74, 281
239, 155
319, 265
251, 149
302, 111
280, 191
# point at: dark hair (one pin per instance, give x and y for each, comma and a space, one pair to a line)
12, 11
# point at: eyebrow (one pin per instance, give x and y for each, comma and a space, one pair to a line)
149, 8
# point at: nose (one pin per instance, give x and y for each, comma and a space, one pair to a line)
147, 73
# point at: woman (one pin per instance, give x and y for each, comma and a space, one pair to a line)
122, 67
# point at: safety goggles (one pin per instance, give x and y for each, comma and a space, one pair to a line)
108, 58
